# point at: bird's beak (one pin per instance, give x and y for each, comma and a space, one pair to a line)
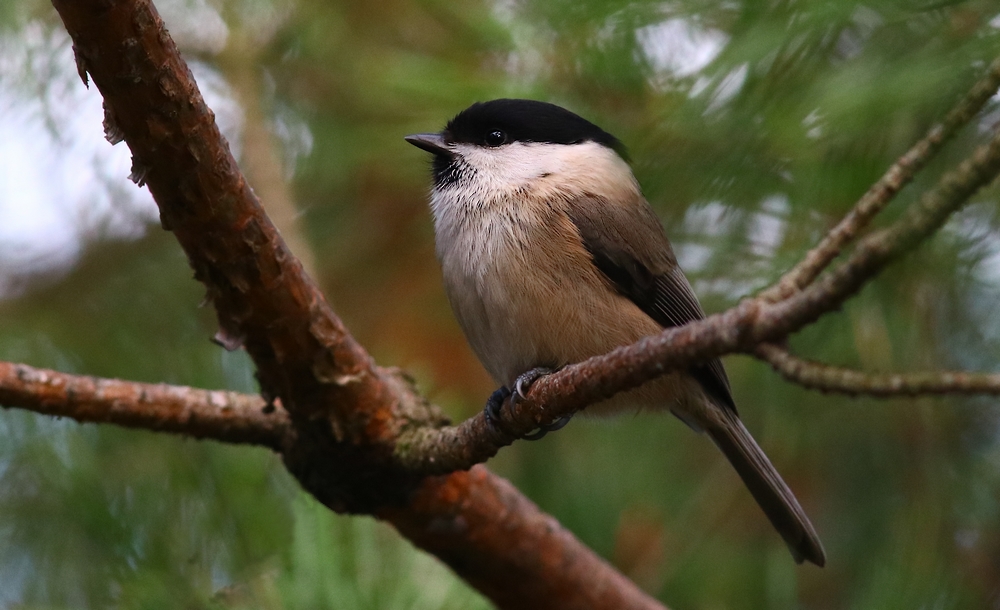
431, 142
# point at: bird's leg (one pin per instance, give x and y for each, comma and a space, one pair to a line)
521, 387
493, 405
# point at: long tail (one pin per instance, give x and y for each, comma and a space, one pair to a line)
767, 488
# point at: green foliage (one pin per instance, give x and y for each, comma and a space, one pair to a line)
749, 148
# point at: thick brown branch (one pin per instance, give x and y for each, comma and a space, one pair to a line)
482, 541
263, 299
828, 378
882, 192
345, 411
741, 329
229, 417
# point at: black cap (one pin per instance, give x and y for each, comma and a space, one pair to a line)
524, 121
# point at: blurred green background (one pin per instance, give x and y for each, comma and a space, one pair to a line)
753, 126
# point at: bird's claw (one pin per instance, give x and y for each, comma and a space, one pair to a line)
524, 381
543, 430
520, 392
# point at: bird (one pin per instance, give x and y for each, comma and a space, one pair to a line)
550, 254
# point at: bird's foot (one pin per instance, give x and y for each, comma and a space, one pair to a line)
494, 405
543, 430
524, 381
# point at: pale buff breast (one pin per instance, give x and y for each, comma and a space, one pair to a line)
522, 286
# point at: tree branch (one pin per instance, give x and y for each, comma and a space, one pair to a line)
229, 417
828, 378
877, 250
507, 548
882, 192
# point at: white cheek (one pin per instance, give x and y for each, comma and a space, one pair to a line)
545, 170
513, 165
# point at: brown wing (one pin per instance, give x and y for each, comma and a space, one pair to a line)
627, 244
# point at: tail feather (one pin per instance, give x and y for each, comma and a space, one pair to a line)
767, 488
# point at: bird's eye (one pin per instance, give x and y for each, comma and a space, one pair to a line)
496, 138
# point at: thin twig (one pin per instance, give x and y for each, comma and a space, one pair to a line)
229, 417
882, 192
874, 252
828, 378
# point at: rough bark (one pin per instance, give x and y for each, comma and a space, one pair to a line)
229, 417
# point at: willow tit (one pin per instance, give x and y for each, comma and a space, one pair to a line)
551, 255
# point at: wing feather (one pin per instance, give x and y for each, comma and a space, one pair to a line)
649, 277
